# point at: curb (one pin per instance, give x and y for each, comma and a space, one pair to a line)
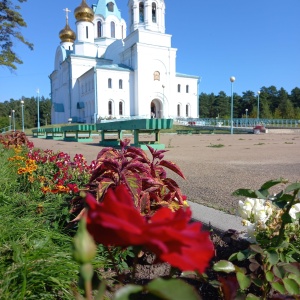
213, 218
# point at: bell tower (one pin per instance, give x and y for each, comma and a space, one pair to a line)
147, 15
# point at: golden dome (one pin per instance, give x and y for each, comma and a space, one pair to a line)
84, 12
67, 34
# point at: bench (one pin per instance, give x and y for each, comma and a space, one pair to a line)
54, 133
38, 133
150, 127
78, 133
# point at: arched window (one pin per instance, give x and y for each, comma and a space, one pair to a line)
109, 108
187, 110
112, 29
187, 89
121, 108
153, 12
178, 110
110, 6
156, 75
87, 32
178, 88
99, 29
109, 83
141, 10
120, 84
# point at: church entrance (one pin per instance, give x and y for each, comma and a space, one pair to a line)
156, 109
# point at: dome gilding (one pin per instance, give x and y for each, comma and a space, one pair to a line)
84, 12
67, 34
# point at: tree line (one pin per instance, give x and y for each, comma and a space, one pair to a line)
273, 104
30, 110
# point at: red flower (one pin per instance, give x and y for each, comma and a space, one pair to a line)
168, 234
115, 221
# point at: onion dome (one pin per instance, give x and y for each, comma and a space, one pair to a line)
67, 34
84, 12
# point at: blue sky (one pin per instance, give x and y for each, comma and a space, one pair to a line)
257, 41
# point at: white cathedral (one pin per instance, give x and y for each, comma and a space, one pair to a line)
100, 72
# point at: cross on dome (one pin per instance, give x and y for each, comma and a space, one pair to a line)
67, 13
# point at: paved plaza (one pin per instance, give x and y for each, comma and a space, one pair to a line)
215, 165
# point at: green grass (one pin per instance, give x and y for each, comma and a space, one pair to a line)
35, 254
216, 145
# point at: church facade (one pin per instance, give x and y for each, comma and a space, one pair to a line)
101, 72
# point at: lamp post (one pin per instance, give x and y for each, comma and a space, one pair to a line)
258, 106
22, 107
9, 122
246, 116
232, 79
13, 119
38, 108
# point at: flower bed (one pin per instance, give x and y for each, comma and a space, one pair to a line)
125, 203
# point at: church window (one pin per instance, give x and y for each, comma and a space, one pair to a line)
99, 29
120, 84
132, 14
110, 6
156, 75
109, 108
187, 110
141, 10
121, 108
178, 88
187, 89
178, 110
87, 32
109, 83
113, 29
153, 12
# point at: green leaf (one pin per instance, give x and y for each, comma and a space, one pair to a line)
258, 282
261, 194
278, 287
125, 292
172, 289
271, 183
245, 193
252, 297
270, 276
295, 277
291, 286
278, 271
256, 248
243, 280
292, 187
101, 291
273, 257
293, 268
224, 266
241, 256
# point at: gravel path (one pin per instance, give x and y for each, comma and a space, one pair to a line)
216, 165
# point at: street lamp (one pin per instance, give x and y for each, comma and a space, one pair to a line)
22, 107
258, 106
38, 108
232, 79
13, 119
246, 115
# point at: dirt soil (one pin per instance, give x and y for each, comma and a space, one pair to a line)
215, 165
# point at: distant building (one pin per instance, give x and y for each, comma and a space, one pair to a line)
99, 72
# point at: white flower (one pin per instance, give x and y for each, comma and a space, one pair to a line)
250, 231
294, 210
255, 210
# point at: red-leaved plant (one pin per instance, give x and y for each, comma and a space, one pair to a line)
145, 178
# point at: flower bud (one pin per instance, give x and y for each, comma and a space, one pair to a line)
84, 245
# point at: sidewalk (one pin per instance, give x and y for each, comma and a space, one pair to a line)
216, 219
